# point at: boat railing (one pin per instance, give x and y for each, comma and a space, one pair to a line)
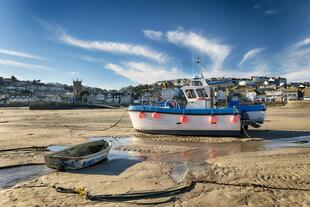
175, 105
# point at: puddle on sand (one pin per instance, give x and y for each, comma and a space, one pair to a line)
302, 141
54, 148
120, 141
194, 160
11, 176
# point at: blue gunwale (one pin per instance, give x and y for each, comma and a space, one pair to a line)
184, 111
246, 108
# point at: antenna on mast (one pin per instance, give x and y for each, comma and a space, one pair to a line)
198, 61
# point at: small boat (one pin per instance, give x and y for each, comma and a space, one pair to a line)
79, 156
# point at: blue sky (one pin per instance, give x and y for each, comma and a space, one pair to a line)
111, 44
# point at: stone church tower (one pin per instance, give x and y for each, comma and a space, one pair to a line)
77, 89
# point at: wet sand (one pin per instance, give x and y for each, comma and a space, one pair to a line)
285, 172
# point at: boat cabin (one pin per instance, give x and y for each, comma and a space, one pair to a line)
199, 96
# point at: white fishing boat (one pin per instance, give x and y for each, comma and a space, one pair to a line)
199, 117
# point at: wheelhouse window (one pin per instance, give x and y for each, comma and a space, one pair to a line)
190, 93
201, 92
197, 83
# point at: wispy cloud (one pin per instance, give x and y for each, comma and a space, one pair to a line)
298, 76
93, 59
105, 46
259, 69
24, 65
115, 47
294, 61
256, 6
216, 51
271, 12
142, 72
154, 35
303, 43
74, 73
250, 54
21, 54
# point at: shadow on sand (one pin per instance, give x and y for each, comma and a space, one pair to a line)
108, 167
276, 134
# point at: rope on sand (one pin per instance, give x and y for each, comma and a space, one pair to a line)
124, 197
105, 129
171, 193
32, 148
252, 185
245, 132
20, 165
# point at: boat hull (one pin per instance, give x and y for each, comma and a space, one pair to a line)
196, 125
59, 161
254, 116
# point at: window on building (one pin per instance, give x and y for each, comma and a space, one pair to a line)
201, 92
190, 93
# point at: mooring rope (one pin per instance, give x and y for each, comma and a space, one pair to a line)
253, 185
245, 132
21, 165
170, 192
32, 148
105, 129
115, 124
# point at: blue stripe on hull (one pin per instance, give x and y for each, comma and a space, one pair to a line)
184, 111
246, 108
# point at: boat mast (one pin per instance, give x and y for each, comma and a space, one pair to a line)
199, 68
202, 78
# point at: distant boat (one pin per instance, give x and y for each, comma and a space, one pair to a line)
79, 156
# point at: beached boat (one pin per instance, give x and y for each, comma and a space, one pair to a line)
200, 116
79, 156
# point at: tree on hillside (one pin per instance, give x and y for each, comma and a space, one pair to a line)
13, 78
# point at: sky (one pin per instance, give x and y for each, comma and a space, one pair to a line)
113, 44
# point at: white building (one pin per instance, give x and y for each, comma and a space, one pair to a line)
251, 96
100, 98
220, 95
170, 93
291, 94
20, 99
125, 100
307, 94
53, 98
246, 83
274, 96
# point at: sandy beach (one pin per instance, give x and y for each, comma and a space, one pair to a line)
230, 171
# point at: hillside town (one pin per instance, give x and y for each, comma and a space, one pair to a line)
258, 89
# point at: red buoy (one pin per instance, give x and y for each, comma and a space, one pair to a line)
212, 119
141, 115
155, 115
234, 119
183, 119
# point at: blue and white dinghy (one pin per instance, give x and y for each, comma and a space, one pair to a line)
199, 117
79, 156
